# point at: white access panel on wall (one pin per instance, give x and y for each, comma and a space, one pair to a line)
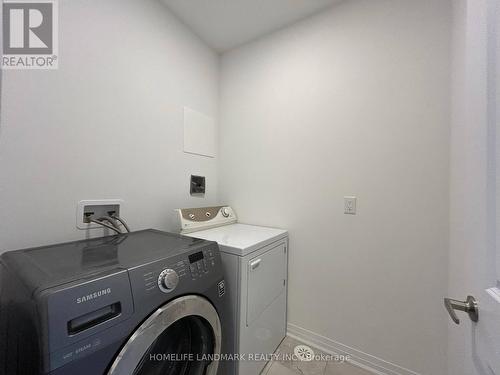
200, 133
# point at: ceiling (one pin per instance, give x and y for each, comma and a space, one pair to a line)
225, 24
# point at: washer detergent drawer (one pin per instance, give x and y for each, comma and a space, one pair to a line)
79, 310
266, 280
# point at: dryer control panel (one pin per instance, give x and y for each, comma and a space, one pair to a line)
196, 219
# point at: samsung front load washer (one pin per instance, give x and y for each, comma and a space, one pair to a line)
255, 260
146, 302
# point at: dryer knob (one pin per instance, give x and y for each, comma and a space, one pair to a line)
168, 280
225, 212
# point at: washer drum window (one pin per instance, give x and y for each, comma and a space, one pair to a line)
177, 339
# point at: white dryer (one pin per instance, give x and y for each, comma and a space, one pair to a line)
255, 259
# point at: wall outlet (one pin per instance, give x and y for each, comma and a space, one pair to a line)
96, 209
350, 205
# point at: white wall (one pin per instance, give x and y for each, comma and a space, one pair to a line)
354, 101
107, 124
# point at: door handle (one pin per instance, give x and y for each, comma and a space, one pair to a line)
255, 264
469, 306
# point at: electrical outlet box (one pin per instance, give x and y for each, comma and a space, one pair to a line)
350, 205
96, 209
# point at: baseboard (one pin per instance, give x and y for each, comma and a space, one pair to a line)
358, 358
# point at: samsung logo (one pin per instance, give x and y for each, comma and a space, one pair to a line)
94, 295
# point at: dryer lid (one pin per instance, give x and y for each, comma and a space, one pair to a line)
241, 239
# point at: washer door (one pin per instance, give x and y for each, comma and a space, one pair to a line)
180, 338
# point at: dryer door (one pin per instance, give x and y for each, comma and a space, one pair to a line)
180, 338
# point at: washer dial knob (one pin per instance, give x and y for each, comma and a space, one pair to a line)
168, 280
225, 212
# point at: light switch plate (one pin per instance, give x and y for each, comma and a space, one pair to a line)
350, 205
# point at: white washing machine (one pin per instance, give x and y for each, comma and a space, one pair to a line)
256, 262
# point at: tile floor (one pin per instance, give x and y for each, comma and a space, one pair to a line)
319, 366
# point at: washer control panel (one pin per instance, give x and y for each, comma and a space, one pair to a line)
195, 219
201, 263
168, 280
172, 275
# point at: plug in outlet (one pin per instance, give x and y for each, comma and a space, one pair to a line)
96, 209
350, 205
